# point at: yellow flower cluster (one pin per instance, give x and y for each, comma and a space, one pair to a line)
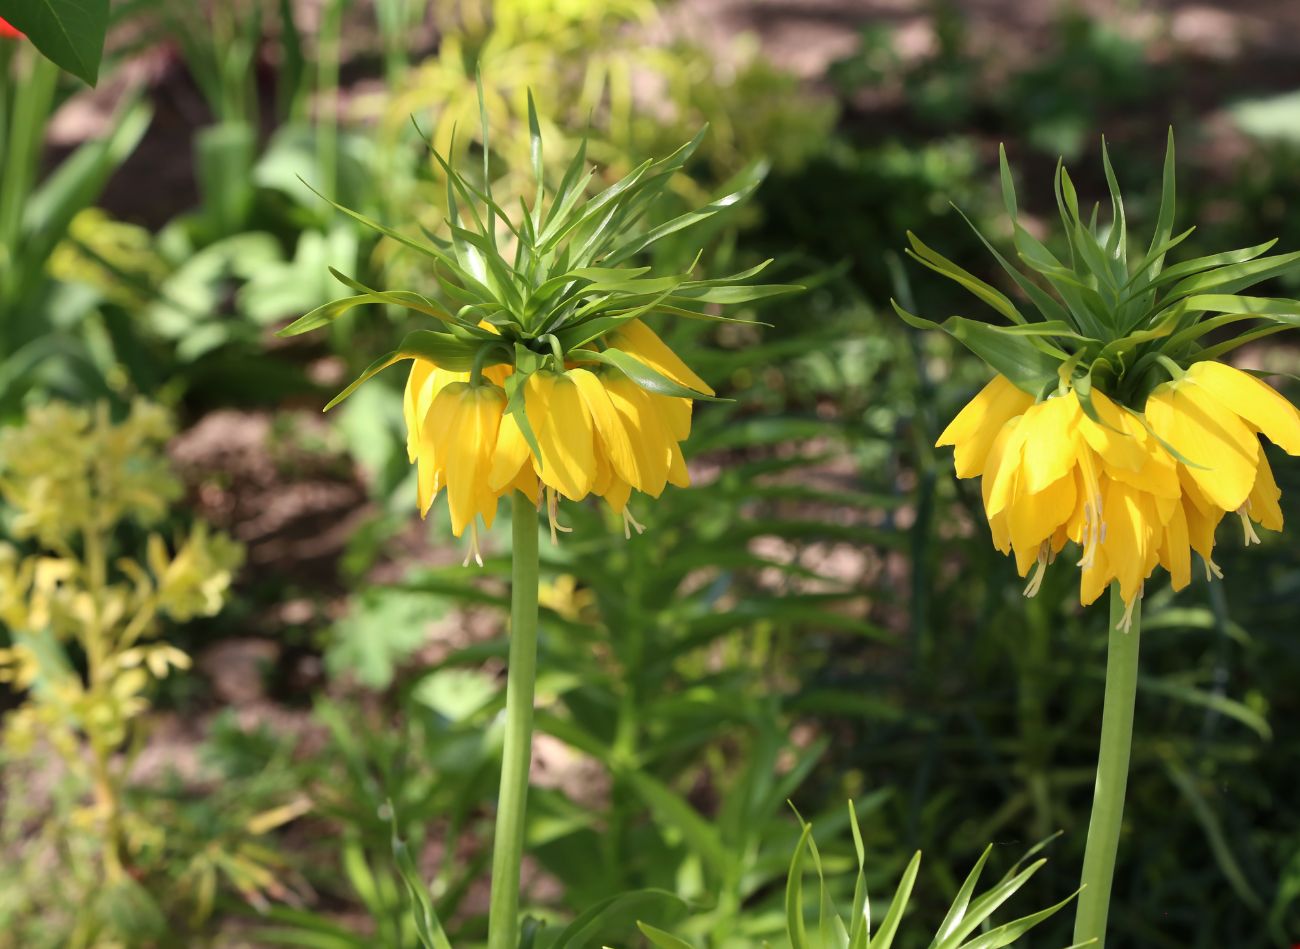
1135, 490
596, 432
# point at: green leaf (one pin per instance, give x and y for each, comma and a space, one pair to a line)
515, 403
572, 187
1142, 275
641, 374
1214, 832
534, 156
671, 809
940, 264
987, 903
77, 183
427, 925
611, 915
563, 223
957, 912
324, 314
1018, 357
661, 939
752, 179
383, 628
327, 313
1237, 276
1193, 333
1200, 264
1227, 346
733, 294
860, 933
441, 349
1117, 240
1008, 185
1050, 309
70, 33
796, 929
889, 925
481, 292
1007, 934
1231, 708
1165, 216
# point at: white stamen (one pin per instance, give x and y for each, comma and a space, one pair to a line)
553, 514
630, 523
1126, 624
1247, 527
1040, 569
1094, 524
1093, 533
473, 553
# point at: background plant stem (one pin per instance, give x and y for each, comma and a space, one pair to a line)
1112, 774
98, 647
507, 852
28, 111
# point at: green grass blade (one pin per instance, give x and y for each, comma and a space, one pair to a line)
957, 912
1165, 216
889, 925
1008, 933
796, 930
427, 925
662, 940
942, 265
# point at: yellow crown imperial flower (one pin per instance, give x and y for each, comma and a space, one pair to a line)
1109, 425
545, 378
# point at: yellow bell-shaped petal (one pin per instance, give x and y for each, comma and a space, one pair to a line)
1224, 451
565, 435
1036, 517
1262, 505
1049, 438
510, 456
646, 431
435, 444
1176, 550
1255, 401
612, 435
472, 438
976, 426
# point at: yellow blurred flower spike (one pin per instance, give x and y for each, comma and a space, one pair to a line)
1110, 425
546, 379
73, 477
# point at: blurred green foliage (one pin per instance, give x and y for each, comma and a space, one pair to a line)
84, 616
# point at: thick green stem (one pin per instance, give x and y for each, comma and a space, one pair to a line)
1112, 773
508, 849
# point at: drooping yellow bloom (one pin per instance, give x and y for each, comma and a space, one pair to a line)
1132, 490
530, 368
595, 431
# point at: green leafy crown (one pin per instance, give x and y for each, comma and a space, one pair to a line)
1109, 315
552, 281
